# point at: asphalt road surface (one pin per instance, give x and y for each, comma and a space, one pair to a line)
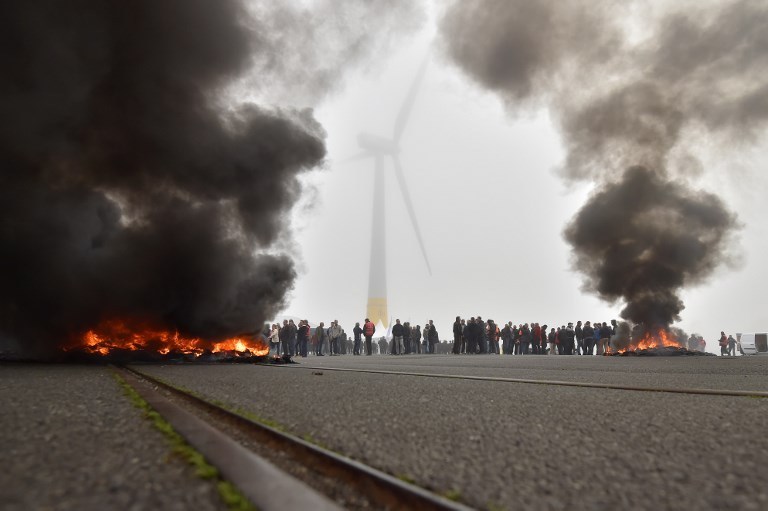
70, 440
502, 445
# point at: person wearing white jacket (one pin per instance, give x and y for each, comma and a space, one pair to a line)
334, 333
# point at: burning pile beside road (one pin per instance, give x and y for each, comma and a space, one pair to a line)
124, 342
641, 341
119, 335
662, 351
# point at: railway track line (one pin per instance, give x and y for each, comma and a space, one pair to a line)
223, 437
559, 383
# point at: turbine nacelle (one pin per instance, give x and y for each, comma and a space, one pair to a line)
376, 144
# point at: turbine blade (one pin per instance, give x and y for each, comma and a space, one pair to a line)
405, 109
409, 206
355, 157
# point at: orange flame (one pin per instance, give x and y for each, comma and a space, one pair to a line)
120, 335
657, 339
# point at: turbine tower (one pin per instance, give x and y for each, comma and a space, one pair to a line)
380, 149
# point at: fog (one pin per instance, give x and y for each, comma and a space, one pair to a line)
486, 182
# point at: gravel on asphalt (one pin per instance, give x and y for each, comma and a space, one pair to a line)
72, 441
509, 445
732, 373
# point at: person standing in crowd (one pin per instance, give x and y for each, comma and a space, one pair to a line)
480, 336
398, 347
482, 340
578, 333
731, 346
425, 338
319, 339
604, 338
470, 336
543, 338
274, 339
525, 339
505, 338
551, 341
457, 333
283, 337
723, 345
358, 332
382, 346
493, 337
433, 338
303, 337
407, 337
536, 338
693, 342
368, 330
488, 336
334, 334
465, 335
589, 338
568, 339
292, 331
416, 338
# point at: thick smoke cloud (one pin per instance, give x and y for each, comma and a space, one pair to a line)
128, 189
644, 238
631, 110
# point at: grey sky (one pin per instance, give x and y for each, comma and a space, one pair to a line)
491, 207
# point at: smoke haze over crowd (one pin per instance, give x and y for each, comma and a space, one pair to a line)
153, 154
630, 112
132, 187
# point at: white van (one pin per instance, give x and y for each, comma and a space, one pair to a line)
754, 344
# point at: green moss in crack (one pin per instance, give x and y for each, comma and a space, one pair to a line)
231, 496
454, 495
406, 478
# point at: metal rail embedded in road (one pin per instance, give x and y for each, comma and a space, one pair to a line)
670, 390
379, 488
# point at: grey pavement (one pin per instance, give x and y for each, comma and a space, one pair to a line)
729, 373
70, 440
509, 445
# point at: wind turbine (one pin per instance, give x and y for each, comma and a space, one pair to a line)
380, 149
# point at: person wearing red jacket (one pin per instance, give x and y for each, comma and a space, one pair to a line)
368, 330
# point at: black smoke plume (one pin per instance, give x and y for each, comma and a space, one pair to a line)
643, 239
633, 112
130, 187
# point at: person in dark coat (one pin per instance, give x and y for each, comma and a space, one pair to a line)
358, 333
525, 339
433, 337
457, 333
303, 337
398, 348
416, 339
579, 334
407, 337
482, 341
320, 335
505, 337
469, 334
589, 338
568, 339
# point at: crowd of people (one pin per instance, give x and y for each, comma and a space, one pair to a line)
470, 336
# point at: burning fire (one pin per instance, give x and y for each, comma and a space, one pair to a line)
119, 335
660, 338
